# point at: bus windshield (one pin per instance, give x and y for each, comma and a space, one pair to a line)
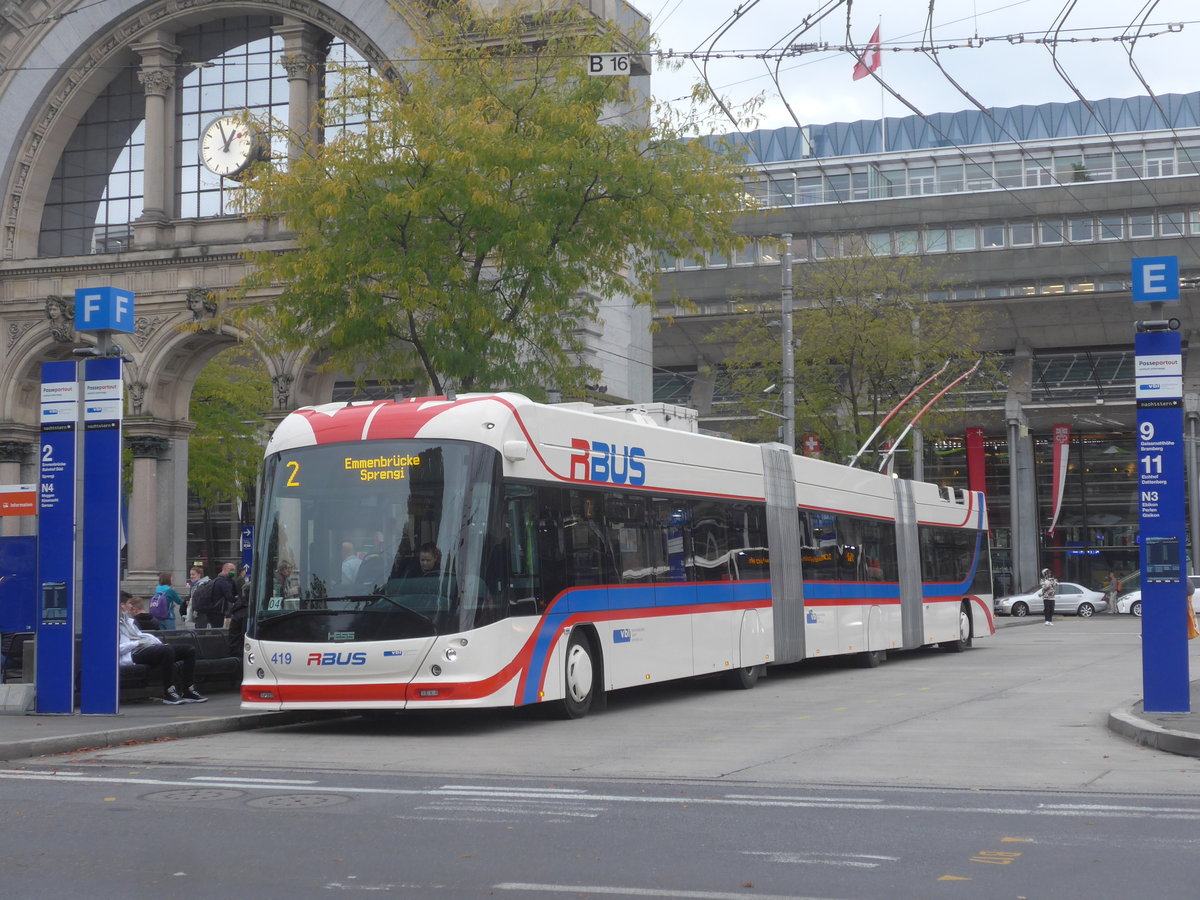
373, 541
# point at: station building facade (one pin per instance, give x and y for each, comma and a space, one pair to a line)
1034, 214
103, 185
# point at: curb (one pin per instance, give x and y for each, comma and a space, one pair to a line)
96, 740
1125, 723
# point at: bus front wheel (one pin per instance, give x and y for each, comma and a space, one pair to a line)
580, 678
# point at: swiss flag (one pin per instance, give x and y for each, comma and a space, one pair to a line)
871, 58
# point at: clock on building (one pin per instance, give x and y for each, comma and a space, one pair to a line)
229, 145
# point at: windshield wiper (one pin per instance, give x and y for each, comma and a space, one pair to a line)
373, 598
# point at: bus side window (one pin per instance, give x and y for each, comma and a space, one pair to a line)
511, 564
590, 555
748, 532
711, 550
670, 523
551, 543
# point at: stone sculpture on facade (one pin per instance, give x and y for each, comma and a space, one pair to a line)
60, 312
200, 305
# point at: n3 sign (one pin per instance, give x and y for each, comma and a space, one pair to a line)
609, 64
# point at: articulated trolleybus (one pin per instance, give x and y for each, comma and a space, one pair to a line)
489, 551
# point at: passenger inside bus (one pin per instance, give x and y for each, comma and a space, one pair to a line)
428, 562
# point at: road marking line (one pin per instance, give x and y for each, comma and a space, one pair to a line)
731, 800
613, 890
252, 780
818, 858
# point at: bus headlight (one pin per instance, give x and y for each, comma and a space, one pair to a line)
435, 669
451, 654
249, 657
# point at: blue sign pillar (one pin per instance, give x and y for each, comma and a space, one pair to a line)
101, 310
102, 407
55, 669
1158, 371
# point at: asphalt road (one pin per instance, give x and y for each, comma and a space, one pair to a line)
987, 774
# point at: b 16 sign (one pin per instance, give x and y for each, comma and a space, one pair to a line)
609, 64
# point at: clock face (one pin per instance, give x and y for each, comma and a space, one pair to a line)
229, 145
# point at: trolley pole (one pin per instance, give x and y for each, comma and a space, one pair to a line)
789, 350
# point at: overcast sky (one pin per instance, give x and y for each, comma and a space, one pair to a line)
820, 89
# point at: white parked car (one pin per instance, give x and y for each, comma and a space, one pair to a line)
1130, 603
1070, 600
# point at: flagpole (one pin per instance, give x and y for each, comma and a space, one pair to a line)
882, 117
882, 123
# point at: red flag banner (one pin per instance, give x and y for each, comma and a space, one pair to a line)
871, 59
1062, 453
976, 461
810, 445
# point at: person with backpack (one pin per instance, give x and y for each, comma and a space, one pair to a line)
224, 593
201, 607
165, 602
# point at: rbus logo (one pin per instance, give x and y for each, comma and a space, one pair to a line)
607, 463
337, 659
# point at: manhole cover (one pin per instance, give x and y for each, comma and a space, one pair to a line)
296, 801
194, 795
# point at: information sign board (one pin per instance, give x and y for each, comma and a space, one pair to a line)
1161, 489
1155, 279
55, 667
102, 409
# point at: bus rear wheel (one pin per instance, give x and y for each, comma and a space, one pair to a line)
964, 632
742, 679
580, 678
871, 659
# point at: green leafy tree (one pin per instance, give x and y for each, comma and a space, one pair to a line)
225, 448
864, 338
483, 207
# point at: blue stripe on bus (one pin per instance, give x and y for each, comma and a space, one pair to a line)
693, 597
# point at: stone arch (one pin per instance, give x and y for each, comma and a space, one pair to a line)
72, 74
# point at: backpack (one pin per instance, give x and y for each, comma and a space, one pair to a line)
160, 606
201, 598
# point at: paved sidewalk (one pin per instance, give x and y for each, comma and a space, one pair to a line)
1171, 732
23, 736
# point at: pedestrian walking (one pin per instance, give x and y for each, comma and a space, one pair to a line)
1048, 590
1112, 589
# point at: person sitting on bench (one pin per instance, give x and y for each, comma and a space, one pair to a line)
139, 648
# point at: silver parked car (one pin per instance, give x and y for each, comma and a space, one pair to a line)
1071, 600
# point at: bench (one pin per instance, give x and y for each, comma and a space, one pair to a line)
215, 668
12, 655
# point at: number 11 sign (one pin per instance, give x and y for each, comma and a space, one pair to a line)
1158, 371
